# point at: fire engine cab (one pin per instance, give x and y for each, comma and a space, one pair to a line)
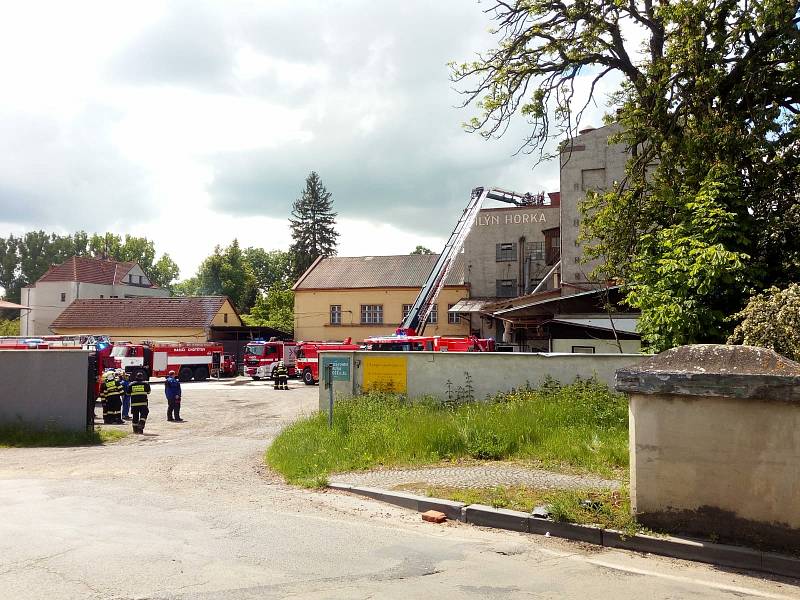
308, 357
157, 359
261, 358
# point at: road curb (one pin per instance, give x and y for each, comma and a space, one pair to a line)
511, 520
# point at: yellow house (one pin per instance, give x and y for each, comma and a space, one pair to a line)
361, 296
182, 319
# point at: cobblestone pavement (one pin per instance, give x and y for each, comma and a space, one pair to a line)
473, 476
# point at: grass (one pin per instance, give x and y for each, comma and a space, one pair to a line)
18, 436
582, 426
605, 508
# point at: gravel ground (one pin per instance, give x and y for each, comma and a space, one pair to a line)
474, 476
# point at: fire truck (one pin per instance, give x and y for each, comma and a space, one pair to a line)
409, 336
190, 360
308, 357
435, 343
261, 358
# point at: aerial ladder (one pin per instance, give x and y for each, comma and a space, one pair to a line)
417, 318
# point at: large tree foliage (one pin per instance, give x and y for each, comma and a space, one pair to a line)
312, 223
708, 107
273, 309
271, 267
771, 320
26, 258
422, 250
227, 273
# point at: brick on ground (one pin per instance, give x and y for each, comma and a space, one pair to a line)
434, 516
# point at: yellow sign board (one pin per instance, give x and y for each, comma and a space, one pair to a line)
385, 374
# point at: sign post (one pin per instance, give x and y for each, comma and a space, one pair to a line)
329, 385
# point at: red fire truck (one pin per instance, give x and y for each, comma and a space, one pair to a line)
410, 343
308, 357
261, 358
156, 359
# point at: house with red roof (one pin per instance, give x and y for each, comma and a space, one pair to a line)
81, 278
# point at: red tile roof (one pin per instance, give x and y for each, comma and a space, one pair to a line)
95, 313
90, 270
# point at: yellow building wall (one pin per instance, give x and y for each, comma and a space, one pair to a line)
312, 312
173, 334
219, 318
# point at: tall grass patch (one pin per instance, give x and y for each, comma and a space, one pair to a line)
22, 436
582, 425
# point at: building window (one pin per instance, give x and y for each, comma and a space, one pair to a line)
583, 349
535, 250
433, 317
506, 288
453, 318
141, 280
112, 296
63, 297
336, 314
101, 296
130, 278
372, 314
407, 309
224, 317
506, 252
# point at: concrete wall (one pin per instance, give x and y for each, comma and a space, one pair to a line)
601, 346
44, 388
590, 163
427, 373
46, 304
505, 225
312, 312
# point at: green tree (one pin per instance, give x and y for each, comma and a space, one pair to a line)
708, 108
227, 273
187, 287
273, 309
771, 320
9, 268
312, 225
9, 326
422, 250
271, 268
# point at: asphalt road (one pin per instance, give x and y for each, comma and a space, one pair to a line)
189, 511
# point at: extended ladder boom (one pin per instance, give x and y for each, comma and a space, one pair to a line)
414, 323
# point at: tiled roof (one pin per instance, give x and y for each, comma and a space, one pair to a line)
90, 270
94, 313
405, 270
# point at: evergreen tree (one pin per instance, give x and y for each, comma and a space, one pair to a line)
312, 224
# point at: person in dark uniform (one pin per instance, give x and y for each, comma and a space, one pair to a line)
172, 389
281, 377
111, 392
139, 390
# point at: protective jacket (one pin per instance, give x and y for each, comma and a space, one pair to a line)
138, 392
172, 388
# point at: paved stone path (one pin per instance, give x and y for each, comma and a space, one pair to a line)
480, 476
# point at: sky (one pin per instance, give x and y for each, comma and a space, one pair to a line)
196, 122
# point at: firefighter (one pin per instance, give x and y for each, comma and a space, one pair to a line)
139, 390
125, 381
281, 377
172, 389
111, 392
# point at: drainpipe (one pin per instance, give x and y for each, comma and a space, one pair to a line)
522, 286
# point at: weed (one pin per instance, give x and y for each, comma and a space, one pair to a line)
21, 436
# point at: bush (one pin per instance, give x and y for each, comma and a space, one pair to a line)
582, 425
771, 320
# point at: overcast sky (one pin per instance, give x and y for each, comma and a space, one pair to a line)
194, 122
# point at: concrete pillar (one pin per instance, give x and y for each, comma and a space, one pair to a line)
715, 443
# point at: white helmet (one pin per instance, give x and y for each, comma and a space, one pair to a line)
109, 375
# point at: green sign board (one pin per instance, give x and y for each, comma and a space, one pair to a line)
341, 367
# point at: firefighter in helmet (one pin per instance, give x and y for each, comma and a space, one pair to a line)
111, 394
139, 389
281, 377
